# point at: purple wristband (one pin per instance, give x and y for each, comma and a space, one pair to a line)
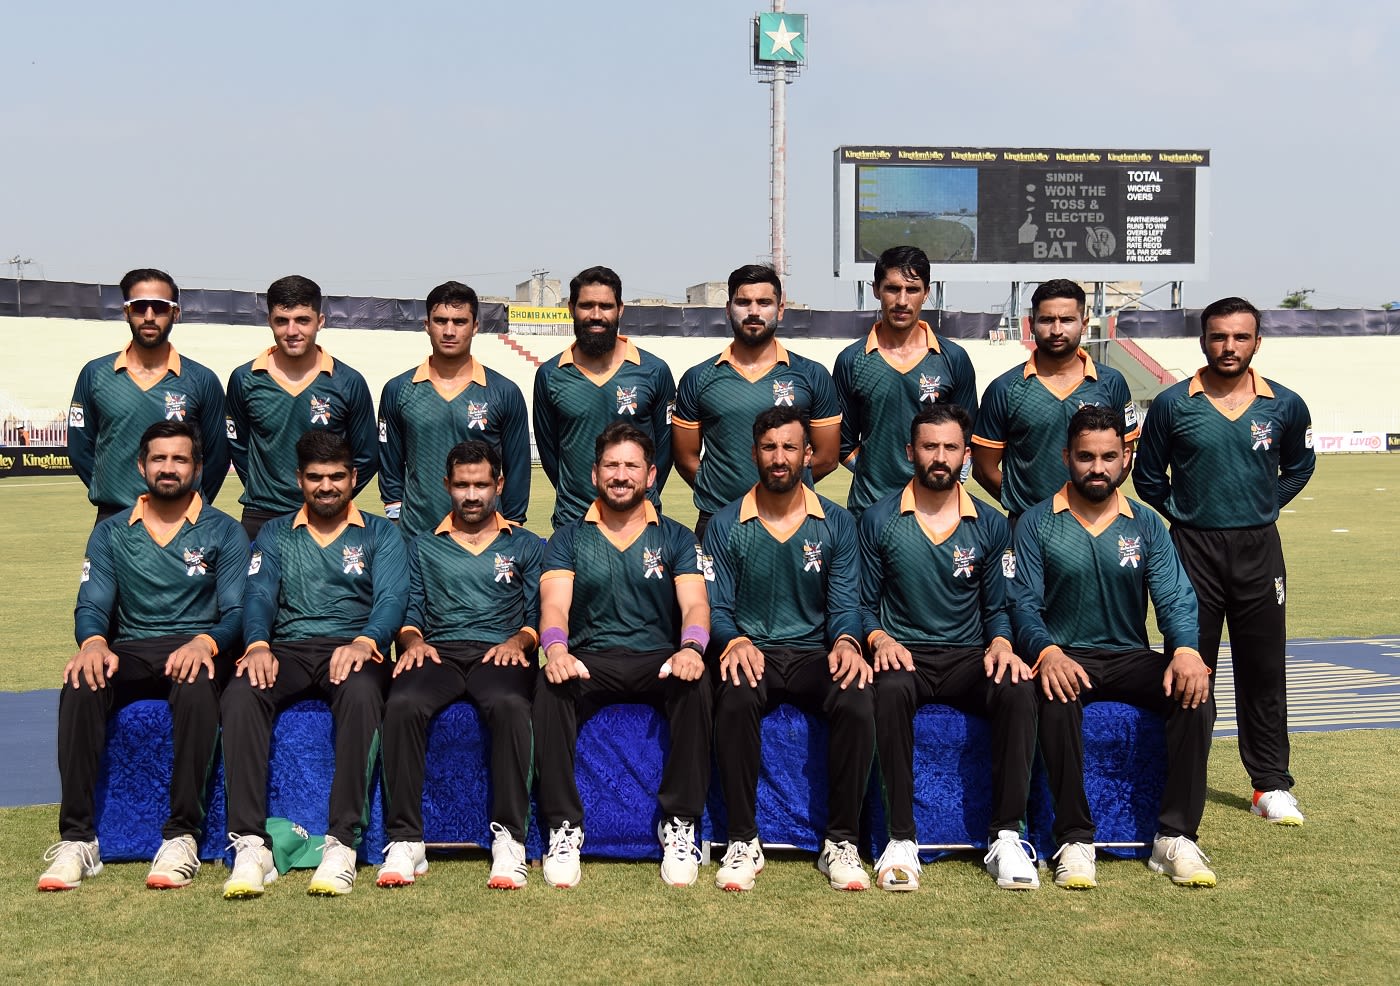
551, 636
697, 634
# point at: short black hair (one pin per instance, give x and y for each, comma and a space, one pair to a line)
1058, 287
619, 432
755, 274
454, 294
293, 291
472, 452
171, 429
1229, 306
778, 416
942, 414
1094, 417
908, 260
135, 277
319, 445
595, 275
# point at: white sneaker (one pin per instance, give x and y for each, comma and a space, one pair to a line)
335, 877
898, 867
1074, 866
680, 856
561, 862
1279, 807
742, 862
253, 867
176, 863
840, 863
403, 863
1011, 862
508, 867
69, 864
1182, 860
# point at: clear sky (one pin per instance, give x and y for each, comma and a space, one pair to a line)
383, 147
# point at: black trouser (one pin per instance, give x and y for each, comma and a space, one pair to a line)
1134, 677
501, 693
802, 678
357, 706
619, 676
254, 518
1238, 576
82, 735
954, 676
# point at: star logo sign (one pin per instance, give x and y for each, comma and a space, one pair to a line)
782, 38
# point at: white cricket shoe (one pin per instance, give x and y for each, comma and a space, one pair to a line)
1279, 807
561, 861
1182, 860
404, 862
1074, 866
898, 867
176, 863
335, 877
253, 867
742, 862
70, 863
840, 863
680, 856
1011, 862
508, 867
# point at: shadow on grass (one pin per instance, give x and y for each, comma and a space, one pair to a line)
1227, 799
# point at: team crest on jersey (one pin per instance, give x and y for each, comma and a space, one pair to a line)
255, 563
1129, 552
1278, 589
505, 568
383, 432
76, 416
476, 415
175, 405
811, 556
706, 563
320, 410
87, 570
353, 555
651, 563
1008, 563
928, 388
627, 400
230, 429
784, 391
962, 562
195, 563
1262, 434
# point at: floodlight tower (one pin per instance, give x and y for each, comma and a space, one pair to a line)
779, 55
19, 263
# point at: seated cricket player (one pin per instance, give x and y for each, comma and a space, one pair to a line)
624, 618
160, 608
327, 589
473, 605
1086, 561
785, 599
935, 612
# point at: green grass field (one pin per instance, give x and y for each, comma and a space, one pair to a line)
1293, 906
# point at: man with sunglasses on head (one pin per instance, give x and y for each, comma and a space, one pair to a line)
119, 395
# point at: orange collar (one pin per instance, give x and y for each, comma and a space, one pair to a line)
748, 509
966, 508
353, 517
447, 527
728, 355
872, 341
632, 355
1090, 370
424, 372
1059, 503
260, 362
122, 363
138, 512
1261, 386
595, 513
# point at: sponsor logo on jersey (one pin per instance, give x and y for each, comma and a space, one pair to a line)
383, 432
505, 568
353, 555
651, 564
1278, 589
195, 563
706, 563
1262, 434
320, 410
87, 570
1008, 563
1307, 438
670, 411
928, 388
1129, 551
175, 406
962, 562
784, 391
476, 415
1130, 415
255, 563
811, 556
76, 416
230, 429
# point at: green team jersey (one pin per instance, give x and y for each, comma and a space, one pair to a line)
624, 594
110, 411
573, 407
419, 424
133, 587
1077, 586
353, 586
1028, 421
721, 402
1229, 469
797, 589
878, 400
486, 594
934, 588
265, 419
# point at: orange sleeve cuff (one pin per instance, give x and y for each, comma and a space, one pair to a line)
95, 636
734, 643
532, 634
373, 648
874, 636
213, 644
